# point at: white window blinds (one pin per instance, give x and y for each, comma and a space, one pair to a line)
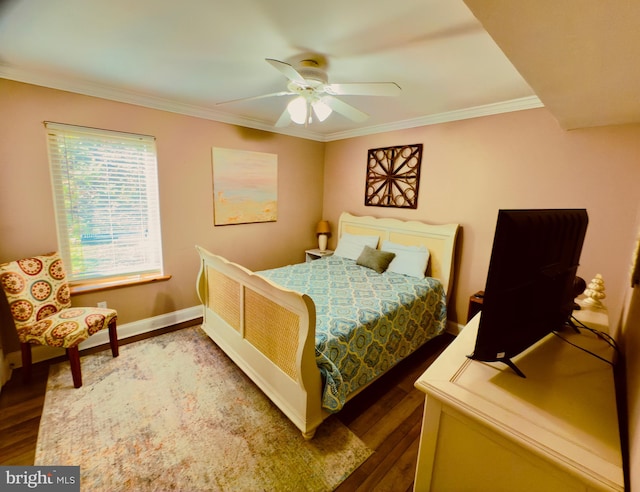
105, 190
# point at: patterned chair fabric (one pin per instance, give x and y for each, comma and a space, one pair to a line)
40, 303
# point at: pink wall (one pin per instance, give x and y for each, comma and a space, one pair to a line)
630, 342
185, 180
472, 168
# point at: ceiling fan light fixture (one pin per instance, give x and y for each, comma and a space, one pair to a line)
321, 110
297, 109
316, 99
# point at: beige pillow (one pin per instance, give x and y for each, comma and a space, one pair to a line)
375, 259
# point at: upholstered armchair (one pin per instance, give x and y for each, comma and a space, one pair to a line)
40, 302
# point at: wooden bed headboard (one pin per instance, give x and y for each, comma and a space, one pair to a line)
439, 239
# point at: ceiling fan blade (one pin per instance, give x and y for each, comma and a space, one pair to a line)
287, 70
253, 98
364, 89
284, 120
344, 109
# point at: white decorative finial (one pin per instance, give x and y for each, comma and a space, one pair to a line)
594, 292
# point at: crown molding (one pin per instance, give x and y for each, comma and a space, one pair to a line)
87, 88
512, 105
139, 99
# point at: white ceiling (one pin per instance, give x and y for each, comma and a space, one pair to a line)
188, 56
581, 57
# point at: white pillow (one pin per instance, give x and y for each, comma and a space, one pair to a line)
351, 245
409, 260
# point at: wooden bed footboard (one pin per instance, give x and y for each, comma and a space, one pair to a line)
268, 331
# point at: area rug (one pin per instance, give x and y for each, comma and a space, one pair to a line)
174, 413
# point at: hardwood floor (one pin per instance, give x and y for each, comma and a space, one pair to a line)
387, 417
21, 408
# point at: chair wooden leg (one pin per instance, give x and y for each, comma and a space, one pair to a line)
74, 360
26, 362
113, 338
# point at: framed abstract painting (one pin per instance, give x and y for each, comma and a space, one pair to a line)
245, 186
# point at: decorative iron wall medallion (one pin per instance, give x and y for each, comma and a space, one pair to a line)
393, 176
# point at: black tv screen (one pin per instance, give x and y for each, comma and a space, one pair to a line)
529, 289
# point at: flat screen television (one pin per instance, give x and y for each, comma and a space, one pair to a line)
529, 291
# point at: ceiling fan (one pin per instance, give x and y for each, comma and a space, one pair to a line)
315, 98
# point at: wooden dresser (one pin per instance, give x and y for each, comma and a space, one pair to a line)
487, 429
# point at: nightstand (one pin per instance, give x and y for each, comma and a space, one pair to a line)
314, 254
475, 304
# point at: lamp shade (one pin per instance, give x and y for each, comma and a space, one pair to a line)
298, 110
323, 227
321, 110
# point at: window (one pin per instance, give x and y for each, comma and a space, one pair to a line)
105, 190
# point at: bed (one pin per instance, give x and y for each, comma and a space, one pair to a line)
289, 328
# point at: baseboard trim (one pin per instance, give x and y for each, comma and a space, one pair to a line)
454, 328
40, 353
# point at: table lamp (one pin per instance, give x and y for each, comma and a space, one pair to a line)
323, 230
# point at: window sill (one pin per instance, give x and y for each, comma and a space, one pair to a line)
114, 283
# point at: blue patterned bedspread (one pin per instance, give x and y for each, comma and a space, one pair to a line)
366, 322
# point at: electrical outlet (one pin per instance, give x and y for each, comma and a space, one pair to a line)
102, 304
